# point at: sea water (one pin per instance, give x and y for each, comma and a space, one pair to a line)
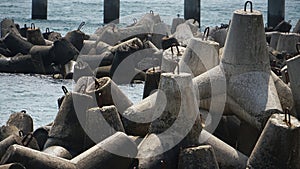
38, 94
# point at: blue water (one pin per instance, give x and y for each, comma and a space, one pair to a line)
38, 94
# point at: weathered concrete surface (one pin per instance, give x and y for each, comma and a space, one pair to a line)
155, 152
117, 151
219, 35
274, 39
183, 34
199, 56
41, 58
278, 145
5, 143
287, 43
6, 131
293, 69
175, 23
140, 115
67, 130
16, 44
247, 138
169, 60
159, 31
251, 93
151, 81
180, 117
284, 92
226, 156
34, 36
107, 93
101, 123
198, 157
88, 45
34, 159
22, 120
7, 25
58, 151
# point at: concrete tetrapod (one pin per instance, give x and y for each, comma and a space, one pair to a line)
227, 157
170, 59
41, 58
198, 157
140, 115
199, 56
293, 71
117, 151
250, 89
287, 43
67, 130
58, 151
16, 44
107, 93
22, 120
7, 25
101, 123
30, 158
280, 150
175, 123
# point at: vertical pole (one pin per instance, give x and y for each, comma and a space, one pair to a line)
192, 10
111, 11
276, 12
39, 9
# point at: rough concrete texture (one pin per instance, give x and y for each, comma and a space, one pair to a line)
34, 159
140, 115
198, 157
112, 35
180, 117
117, 151
278, 145
108, 93
159, 31
199, 56
88, 45
293, 69
219, 35
170, 61
251, 93
22, 121
284, 92
155, 152
58, 151
226, 156
101, 123
274, 39
287, 42
175, 23
183, 34
67, 130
